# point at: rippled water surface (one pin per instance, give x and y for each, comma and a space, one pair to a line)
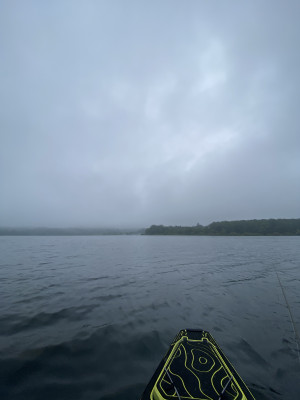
91, 317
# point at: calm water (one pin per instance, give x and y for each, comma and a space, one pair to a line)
91, 317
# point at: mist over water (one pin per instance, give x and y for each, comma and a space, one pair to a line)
91, 317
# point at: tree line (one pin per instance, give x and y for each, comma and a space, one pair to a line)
254, 227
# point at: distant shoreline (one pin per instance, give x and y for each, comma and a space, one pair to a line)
262, 227
254, 227
68, 231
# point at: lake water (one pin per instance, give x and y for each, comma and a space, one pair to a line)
91, 317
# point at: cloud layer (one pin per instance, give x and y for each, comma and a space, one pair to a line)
130, 113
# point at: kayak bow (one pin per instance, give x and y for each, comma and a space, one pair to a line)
195, 367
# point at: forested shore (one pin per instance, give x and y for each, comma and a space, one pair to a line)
255, 227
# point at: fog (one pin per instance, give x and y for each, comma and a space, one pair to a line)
134, 113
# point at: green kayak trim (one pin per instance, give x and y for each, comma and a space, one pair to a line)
195, 367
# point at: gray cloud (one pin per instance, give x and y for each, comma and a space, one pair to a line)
133, 113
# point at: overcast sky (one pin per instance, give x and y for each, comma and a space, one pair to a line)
132, 113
